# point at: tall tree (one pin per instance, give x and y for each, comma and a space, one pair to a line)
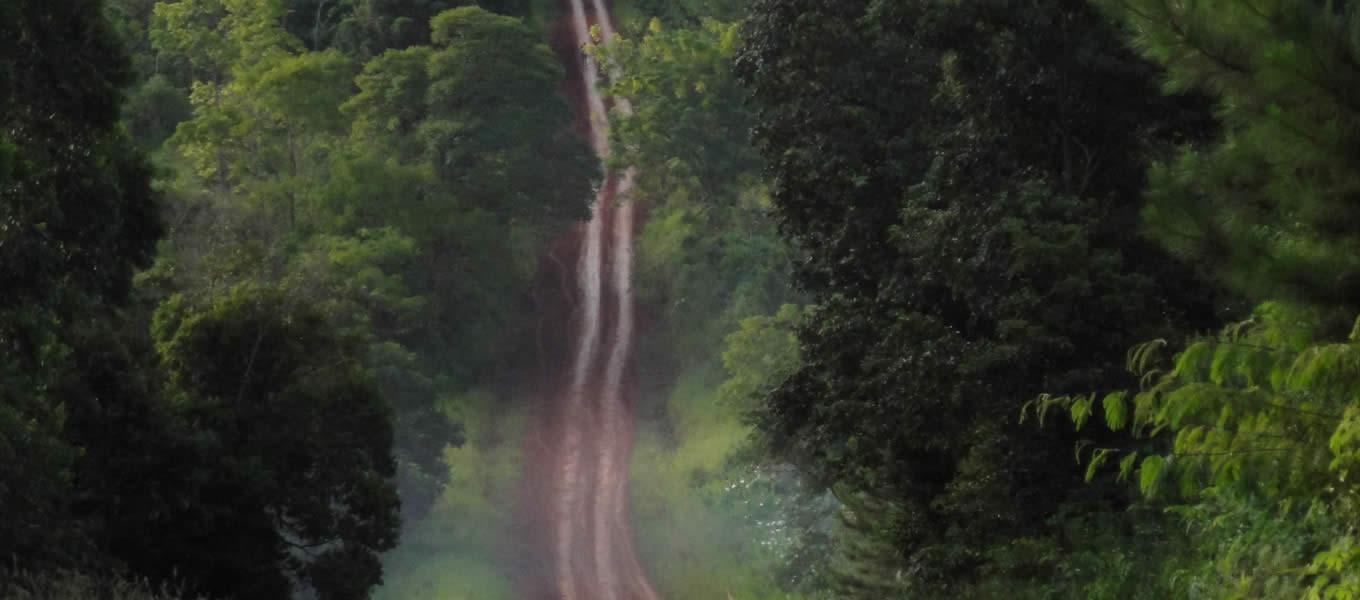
294, 442
478, 114
490, 120
1271, 206
77, 217
1258, 423
964, 180
708, 254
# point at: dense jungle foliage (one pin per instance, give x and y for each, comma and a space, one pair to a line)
1022, 299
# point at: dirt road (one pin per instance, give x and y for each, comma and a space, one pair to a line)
575, 506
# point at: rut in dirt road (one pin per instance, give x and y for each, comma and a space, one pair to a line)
591, 553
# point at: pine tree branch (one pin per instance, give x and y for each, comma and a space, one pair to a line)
1323, 86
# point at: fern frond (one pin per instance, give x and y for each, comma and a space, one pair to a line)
1126, 466
1116, 411
1097, 459
1140, 355
1081, 409
1148, 474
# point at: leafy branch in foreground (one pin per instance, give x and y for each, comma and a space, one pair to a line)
1262, 415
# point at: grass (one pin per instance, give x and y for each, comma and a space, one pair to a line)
18, 584
452, 553
697, 547
442, 573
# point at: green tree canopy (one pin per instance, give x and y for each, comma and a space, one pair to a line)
1272, 205
295, 443
77, 217
480, 107
963, 180
1253, 431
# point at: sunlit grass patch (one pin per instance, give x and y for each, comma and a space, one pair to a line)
419, 572
453, 554
694, 547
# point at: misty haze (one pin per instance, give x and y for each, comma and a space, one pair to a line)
679, 299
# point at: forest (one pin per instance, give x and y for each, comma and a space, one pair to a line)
922, 299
